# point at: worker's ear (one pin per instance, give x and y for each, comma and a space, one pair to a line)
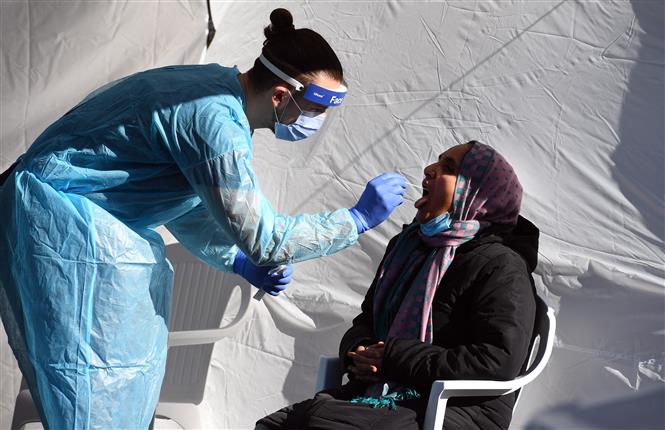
280, 96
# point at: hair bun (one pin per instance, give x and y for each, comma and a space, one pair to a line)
281, 23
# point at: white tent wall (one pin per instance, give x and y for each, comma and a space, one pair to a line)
571, 92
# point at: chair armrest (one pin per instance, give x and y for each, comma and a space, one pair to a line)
472, 388
443, 390
202, 337
329, 374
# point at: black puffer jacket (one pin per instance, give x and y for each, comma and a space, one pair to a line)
483, 316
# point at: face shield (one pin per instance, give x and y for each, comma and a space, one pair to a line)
308, 122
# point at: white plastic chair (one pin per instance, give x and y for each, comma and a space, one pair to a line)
331, 371
200, 297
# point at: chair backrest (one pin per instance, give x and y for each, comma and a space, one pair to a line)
544, 329
200, 298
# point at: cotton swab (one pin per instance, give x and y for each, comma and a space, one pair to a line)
418, 186
414, 185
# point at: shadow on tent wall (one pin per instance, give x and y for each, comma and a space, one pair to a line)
638, 160
643, 411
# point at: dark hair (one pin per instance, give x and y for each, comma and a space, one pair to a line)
300, 53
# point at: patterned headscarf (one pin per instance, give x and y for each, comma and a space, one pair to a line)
487, 192
487, 188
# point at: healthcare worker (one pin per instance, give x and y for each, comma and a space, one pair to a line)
86, 287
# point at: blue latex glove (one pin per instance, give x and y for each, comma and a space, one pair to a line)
260, 277
381, 196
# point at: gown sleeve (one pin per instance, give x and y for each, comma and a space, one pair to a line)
198, 231
214, 153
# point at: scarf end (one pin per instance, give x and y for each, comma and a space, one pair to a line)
389, 400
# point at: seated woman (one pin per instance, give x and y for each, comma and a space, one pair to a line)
453, 299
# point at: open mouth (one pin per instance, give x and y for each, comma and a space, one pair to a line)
423, 200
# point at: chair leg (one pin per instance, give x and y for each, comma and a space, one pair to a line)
435, 415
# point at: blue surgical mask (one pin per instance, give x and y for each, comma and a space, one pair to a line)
306, 125
436, 225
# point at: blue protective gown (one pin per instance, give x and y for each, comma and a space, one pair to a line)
86, 287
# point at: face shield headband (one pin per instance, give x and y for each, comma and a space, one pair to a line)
313, 92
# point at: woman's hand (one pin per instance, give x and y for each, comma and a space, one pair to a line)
366, 365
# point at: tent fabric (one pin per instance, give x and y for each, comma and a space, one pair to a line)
571, 93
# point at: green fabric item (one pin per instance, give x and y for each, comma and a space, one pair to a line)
388, 401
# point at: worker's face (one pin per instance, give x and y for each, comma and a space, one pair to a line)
439, 183
289, 104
